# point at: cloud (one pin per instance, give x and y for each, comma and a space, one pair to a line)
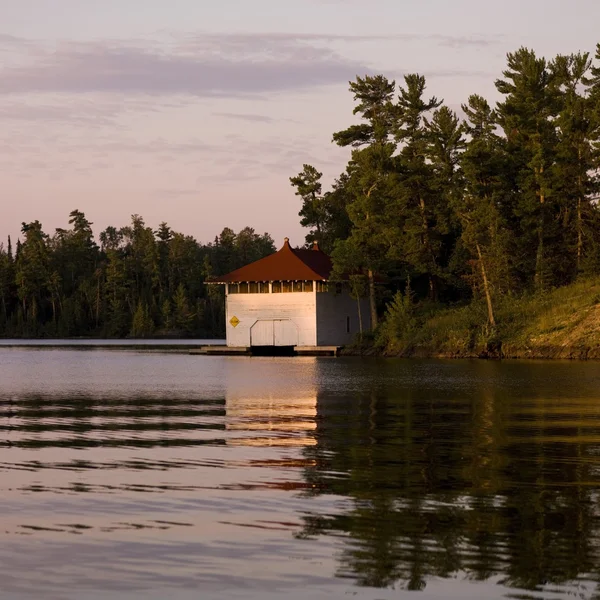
97, 110
468, 41
246, 117
202, 65
456, 73
5, 38
94, 113
10, 41
209, 66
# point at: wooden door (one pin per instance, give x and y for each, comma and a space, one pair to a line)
261, 334
285, 333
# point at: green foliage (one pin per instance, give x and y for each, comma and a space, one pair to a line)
142, 325
550, 324
183, 317
136, 282
476, 212
399, 321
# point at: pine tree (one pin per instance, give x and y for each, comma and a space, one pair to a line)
308, 187
478, 207
371, 180
417, 205
575, 159
183, 317
142, 324
33, 275
526, 117
446, 144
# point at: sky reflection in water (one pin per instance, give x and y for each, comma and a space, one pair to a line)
143, 475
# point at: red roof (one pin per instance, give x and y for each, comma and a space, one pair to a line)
288, 264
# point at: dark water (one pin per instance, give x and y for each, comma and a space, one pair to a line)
91, 342
132, 475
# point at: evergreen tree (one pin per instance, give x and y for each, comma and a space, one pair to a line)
142, 324
446, 144
32, 276
478, 207
527, 118
421, 211
308, 187
183, 317
371, 180
575, 161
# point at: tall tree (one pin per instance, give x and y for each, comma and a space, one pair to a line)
33, 274
417, 203
164, 236
478, 207
326, 214
575, 156
308, 186
446, 143
526, 116
7, 278
371, 180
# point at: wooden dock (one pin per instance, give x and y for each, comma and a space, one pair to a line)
222, 351
317, 350
248, 351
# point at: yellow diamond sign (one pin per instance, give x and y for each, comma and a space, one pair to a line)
234, 321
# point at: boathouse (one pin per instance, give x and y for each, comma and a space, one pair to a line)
287, 300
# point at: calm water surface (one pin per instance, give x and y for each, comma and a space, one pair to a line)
138, 475
108, 342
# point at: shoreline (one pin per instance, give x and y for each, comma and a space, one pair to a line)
546, 353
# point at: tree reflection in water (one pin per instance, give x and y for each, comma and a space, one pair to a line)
406, 470
499, 484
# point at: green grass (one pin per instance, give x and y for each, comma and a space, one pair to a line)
549, 324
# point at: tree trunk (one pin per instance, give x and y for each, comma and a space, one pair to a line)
486, 288
360, 324
579, 217
97, 302
539, 257
372, 300
433, 292
579, 235
433, 288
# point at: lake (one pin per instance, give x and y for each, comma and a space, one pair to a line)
129, 474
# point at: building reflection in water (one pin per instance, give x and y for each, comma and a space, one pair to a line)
278, 410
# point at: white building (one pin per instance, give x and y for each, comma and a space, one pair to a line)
287, 299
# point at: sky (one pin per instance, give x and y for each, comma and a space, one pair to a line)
197, 112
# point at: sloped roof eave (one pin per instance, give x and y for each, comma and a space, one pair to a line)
285, 265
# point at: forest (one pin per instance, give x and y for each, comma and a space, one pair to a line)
434, 209
475, 208
136, 282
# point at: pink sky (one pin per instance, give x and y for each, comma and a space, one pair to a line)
197, 114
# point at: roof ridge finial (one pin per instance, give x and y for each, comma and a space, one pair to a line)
286, 241
315, 245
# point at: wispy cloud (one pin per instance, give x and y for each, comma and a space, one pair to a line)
245, 117
202, 65
228, 65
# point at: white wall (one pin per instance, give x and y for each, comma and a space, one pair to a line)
332, 313
299, 307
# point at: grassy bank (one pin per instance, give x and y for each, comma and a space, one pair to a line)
558, 324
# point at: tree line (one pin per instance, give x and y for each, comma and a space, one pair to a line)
444, 208
492, 203
133, 281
